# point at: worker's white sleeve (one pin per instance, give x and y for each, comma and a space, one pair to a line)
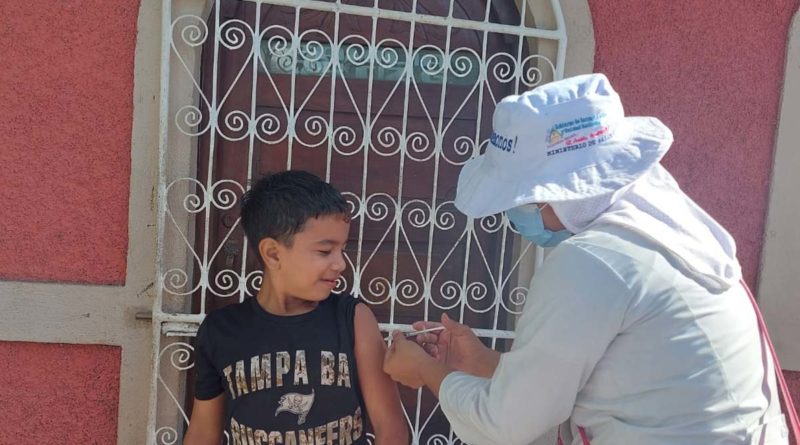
575, 308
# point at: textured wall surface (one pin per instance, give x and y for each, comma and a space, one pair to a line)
793, 381
57, 393
712, 71
65, 139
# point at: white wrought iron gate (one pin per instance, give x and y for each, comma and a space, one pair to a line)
386, 99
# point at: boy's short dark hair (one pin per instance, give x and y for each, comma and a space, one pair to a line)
279, 204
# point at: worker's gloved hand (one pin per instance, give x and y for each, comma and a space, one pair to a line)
457, 347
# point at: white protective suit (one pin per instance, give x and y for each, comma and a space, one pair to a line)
643, 337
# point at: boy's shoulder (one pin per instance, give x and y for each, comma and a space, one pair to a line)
237, 312
342, 300
241, 314
345, 305
236, 309
230, 315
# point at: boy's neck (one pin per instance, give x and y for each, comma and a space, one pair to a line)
279, 303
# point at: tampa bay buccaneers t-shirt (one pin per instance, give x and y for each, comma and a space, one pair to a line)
286, 379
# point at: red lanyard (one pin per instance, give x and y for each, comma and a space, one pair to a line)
581, 431
783, 389
785, 396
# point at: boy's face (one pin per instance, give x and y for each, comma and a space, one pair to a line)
310, 268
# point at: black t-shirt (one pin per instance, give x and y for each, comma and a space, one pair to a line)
287, 379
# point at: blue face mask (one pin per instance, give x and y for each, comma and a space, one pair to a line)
527, 219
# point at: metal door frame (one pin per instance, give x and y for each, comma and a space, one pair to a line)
168, 319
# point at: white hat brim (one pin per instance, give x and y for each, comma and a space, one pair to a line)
484, 189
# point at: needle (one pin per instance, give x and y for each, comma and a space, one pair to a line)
415, 333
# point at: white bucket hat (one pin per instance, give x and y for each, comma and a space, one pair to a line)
564, 141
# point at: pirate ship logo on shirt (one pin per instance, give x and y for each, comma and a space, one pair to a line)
296, 403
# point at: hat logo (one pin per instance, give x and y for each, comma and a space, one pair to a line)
578, 133
554, 138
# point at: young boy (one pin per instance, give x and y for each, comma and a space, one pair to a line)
297, 364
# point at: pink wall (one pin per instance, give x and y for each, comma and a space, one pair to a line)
712, 71
66, 90
793, 381
57, 393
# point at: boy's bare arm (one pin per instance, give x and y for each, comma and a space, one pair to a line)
205, 427
380, 392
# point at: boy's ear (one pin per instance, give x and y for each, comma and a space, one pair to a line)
269, 250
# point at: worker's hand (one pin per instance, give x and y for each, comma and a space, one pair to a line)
457, 347
405, 361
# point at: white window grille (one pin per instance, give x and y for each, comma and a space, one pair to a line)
384, 98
